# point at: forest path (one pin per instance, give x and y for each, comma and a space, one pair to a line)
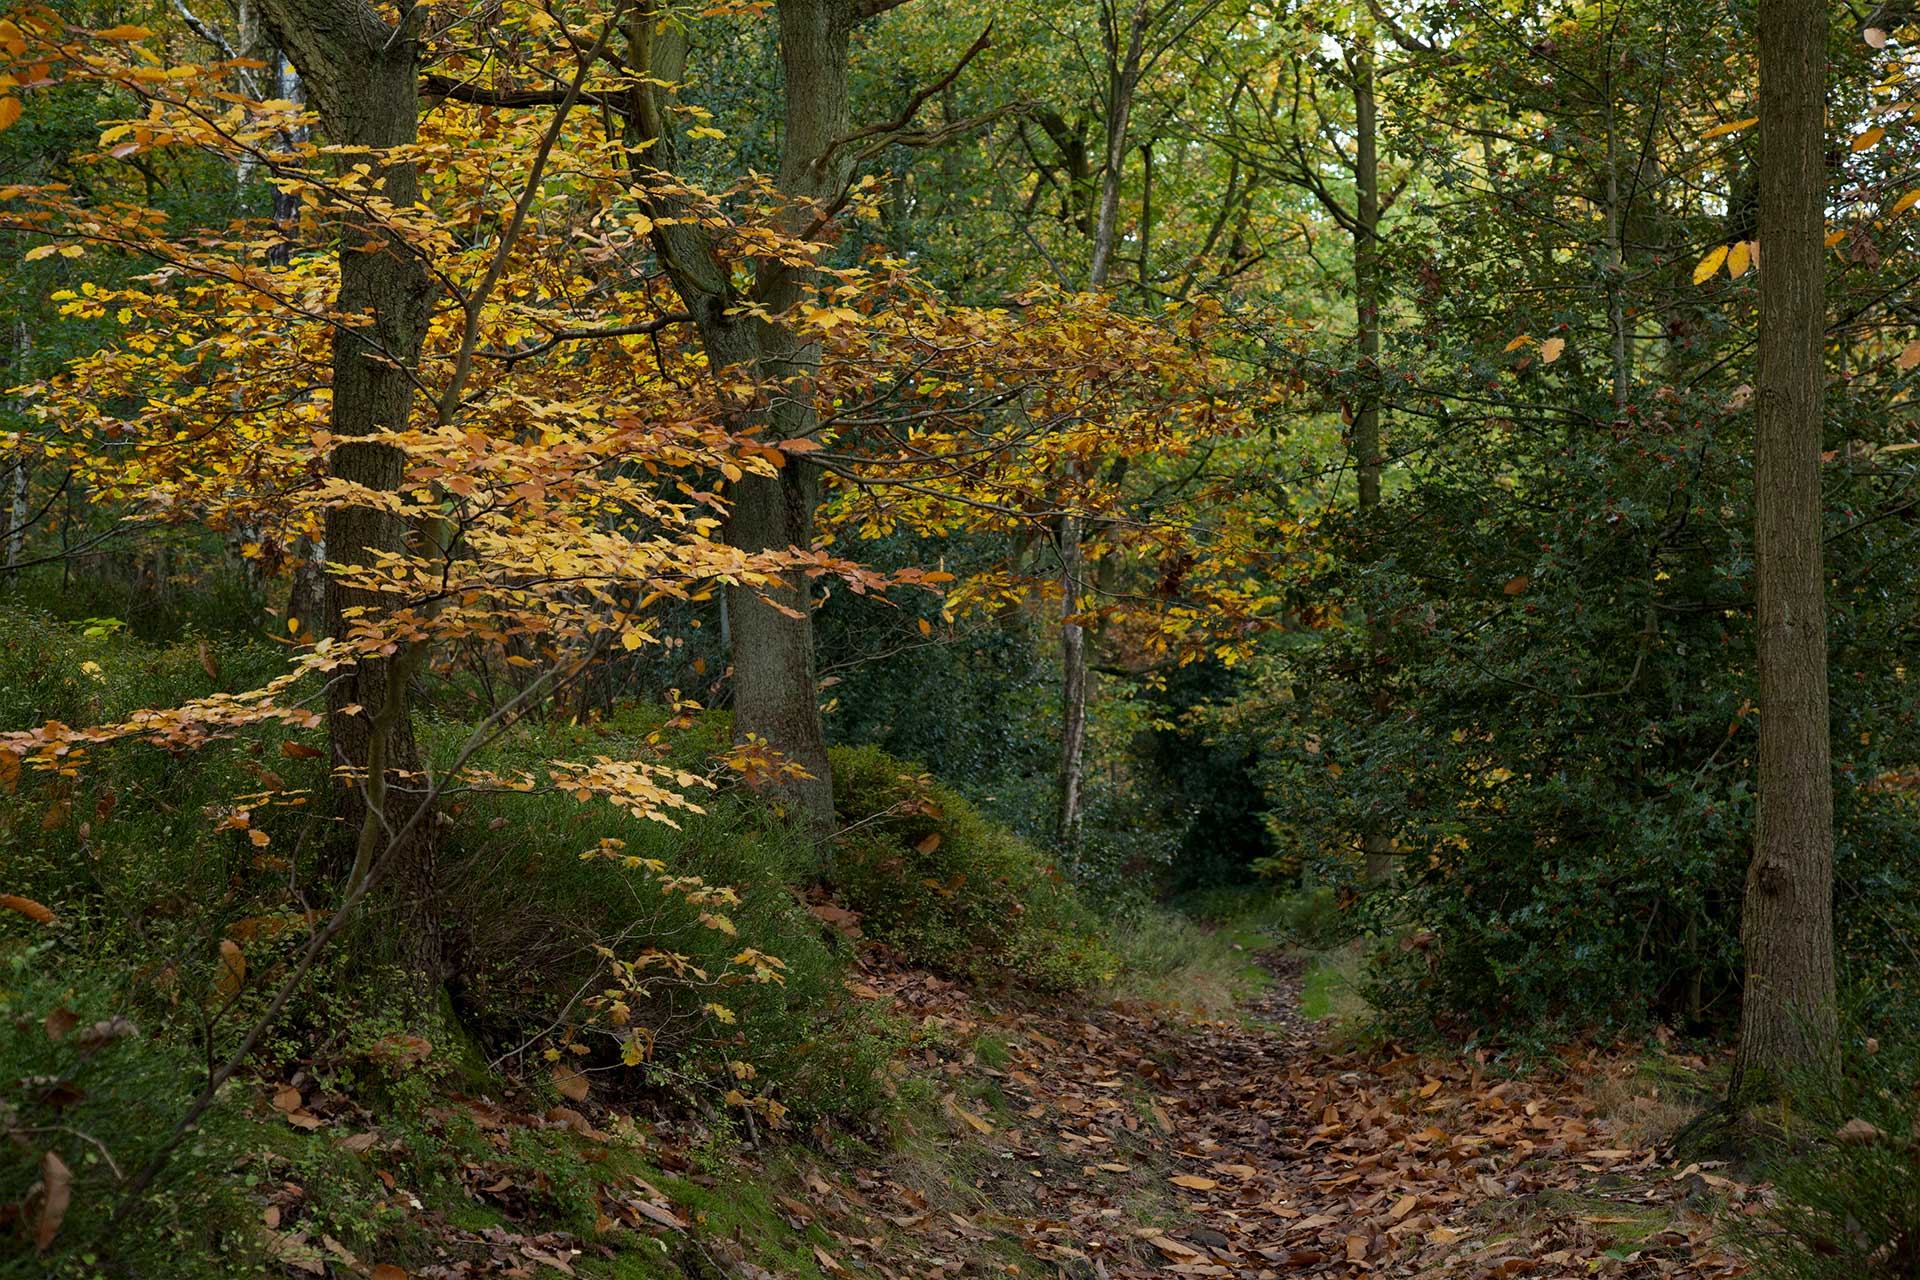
1135, 1140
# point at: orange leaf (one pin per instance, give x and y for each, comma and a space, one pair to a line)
26, 907
1193, 1181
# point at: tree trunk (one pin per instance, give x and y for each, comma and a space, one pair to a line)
776, 692
1123, 72
362, 76
1788, 1019
19, 466
1073, 689
1376, 842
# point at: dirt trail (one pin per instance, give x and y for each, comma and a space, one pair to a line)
1133, 1141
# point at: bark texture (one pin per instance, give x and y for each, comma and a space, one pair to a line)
1789, 1015
775, 681
360, 72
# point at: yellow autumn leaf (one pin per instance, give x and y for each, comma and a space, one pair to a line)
1861, 141
232, 972
1709, 265
1909, 356
1907, 201
10, 111
1732, 126
1550, 349
1835, 237
1737, 258
1519, 342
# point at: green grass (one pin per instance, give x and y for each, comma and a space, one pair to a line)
1330, 988
1169, 958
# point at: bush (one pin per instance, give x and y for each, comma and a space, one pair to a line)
534, 915
933, 878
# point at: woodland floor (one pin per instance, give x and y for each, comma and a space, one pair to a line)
1131, 1140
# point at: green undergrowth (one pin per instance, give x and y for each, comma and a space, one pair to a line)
949, 889
178, 885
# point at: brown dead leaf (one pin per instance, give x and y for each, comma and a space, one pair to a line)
56, 1194
570, 1084
1193, 1181
1859, 1133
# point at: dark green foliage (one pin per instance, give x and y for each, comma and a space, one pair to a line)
1204, 782
932, 877
983, 702
1542, 682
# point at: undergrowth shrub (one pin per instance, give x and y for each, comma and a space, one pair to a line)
89, 1094
951, 890
538, 921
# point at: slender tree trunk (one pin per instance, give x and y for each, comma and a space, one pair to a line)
362, 75
1788, 1019
1123, 69
1074, 674
1621, 339
16, 529
1123, 75
1376, 841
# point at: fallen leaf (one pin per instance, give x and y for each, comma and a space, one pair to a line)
570, 1084
56, 1193
1193, 1181
1859, 1133
26, 907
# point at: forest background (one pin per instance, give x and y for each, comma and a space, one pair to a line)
548, 528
